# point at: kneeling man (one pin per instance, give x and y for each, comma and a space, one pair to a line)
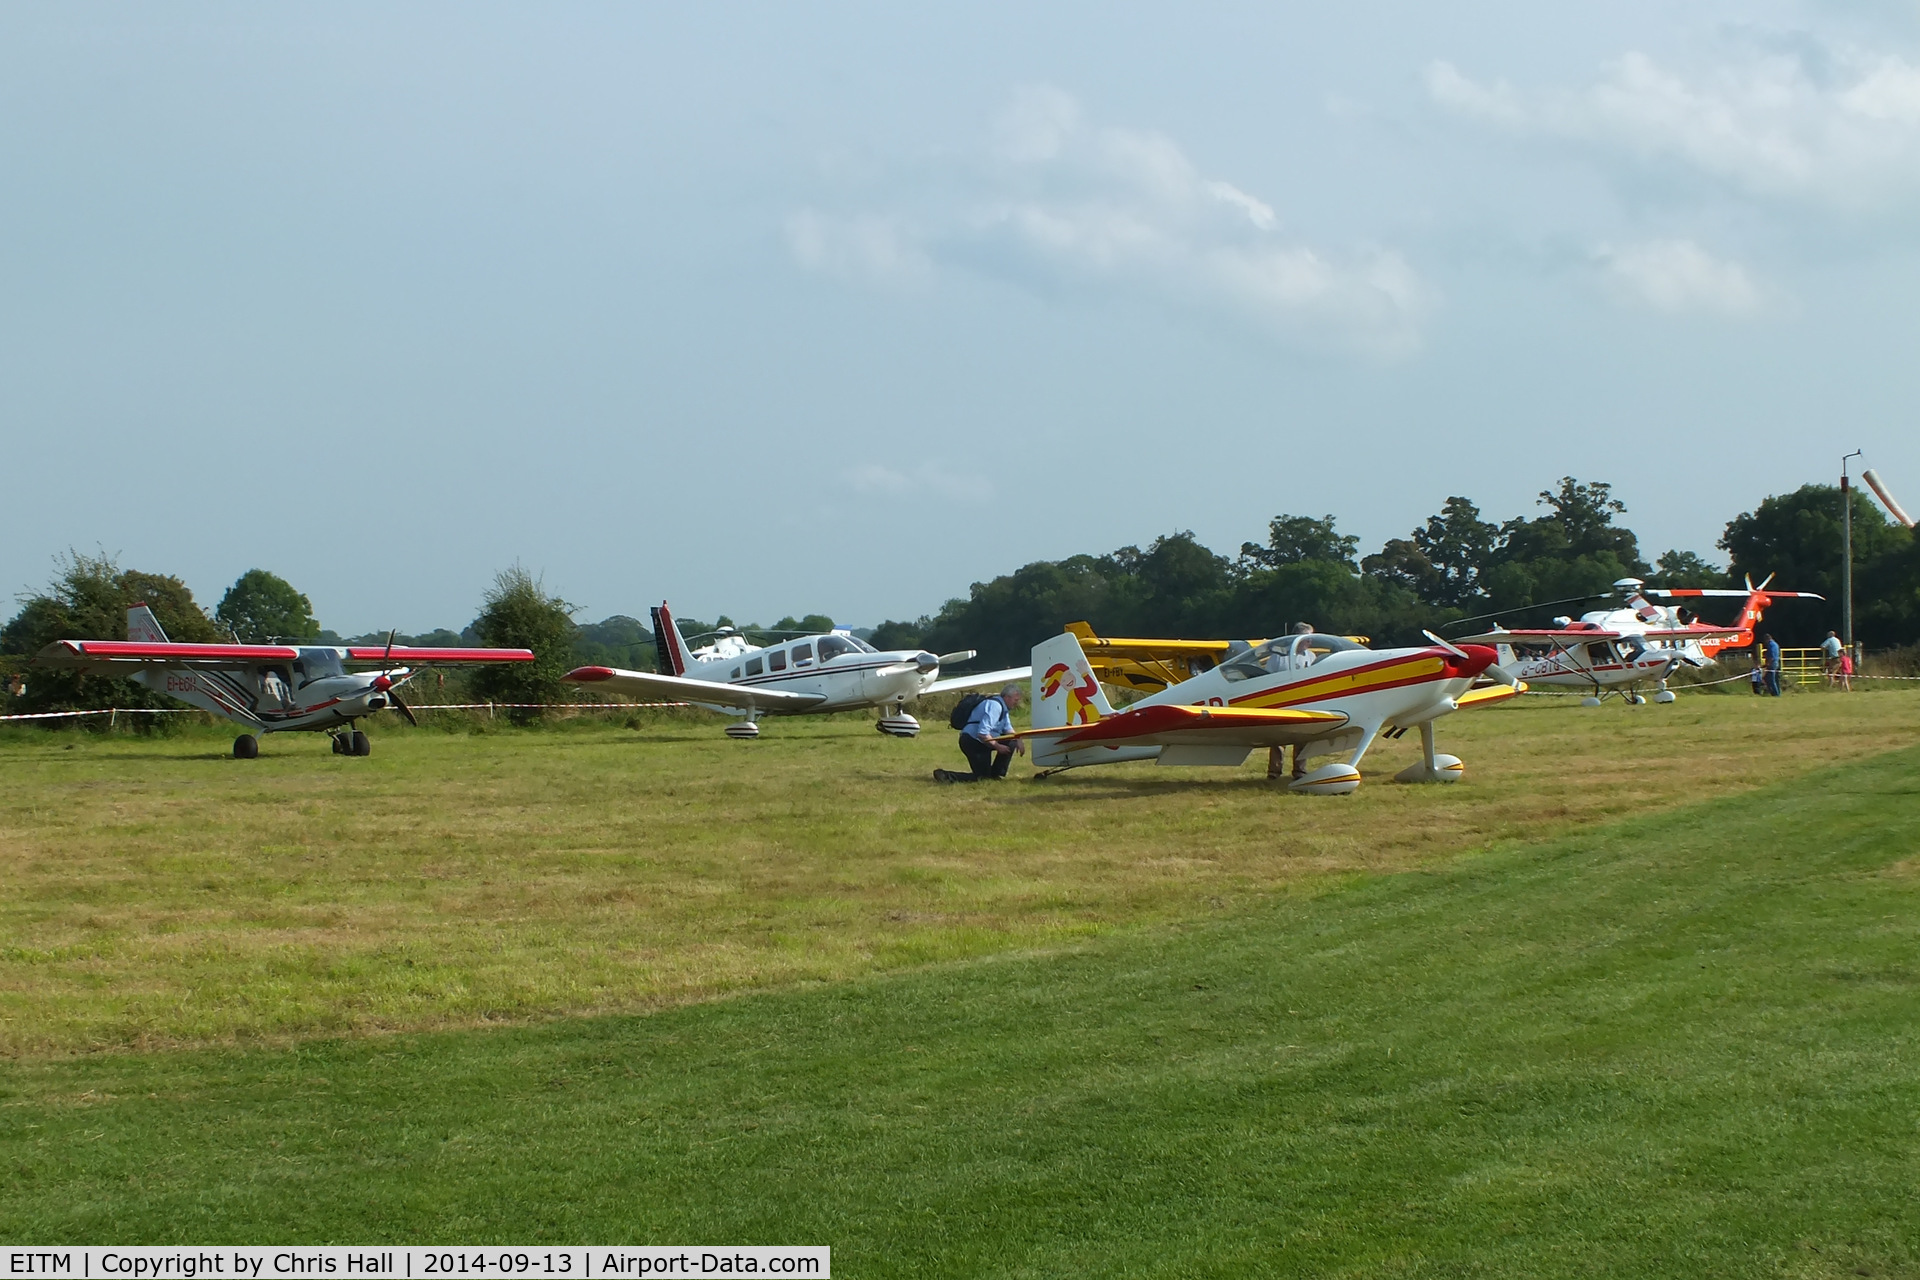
987, 741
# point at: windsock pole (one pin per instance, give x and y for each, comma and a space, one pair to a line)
1846, 554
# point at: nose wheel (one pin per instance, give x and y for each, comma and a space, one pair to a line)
899, 724
352, 742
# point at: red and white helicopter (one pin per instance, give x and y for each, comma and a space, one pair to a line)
1639, 642
806, 675
267, 688
1328, 693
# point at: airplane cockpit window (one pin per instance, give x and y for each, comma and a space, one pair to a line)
1632, 647
860, 644
753, 666
1287, 653
832, 647
802, 655
317, 664
1600, 654
777, 660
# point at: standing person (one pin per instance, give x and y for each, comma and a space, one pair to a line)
1846, 671
987, 741
1772, 647
1830, 649
1277, 756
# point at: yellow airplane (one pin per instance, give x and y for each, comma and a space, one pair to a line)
1148, 666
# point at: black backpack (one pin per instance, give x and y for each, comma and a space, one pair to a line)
964, 709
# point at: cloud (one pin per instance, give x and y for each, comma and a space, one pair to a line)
1829, 125
1678, 276
1057, 204
932, 477
868, 246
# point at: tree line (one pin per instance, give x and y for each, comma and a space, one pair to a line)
1456, 565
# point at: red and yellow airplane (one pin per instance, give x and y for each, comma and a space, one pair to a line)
1325, 694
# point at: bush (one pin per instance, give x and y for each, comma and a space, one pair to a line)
519, 614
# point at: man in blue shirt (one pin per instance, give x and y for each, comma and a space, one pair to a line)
1773, 663
987, 741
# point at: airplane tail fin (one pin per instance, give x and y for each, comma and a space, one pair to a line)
668, 642
143, 627
1065, 691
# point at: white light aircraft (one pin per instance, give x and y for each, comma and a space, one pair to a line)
1622, 648
1328, 693
266, 688
813, 674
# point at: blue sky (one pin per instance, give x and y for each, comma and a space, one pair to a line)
840, 308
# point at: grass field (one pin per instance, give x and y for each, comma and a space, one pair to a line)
1678, 1042
162, 894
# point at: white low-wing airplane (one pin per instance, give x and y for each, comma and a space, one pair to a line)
1622, 648
835, 671
267, 688
1323, 691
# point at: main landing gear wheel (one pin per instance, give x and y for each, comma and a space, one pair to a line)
358, 744
246, 747
1636, 700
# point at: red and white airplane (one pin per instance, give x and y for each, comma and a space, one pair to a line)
1637, 643
807, 675
1324, 692
267, 688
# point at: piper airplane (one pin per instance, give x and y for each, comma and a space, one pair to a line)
814, 674
1620, 649
1318, 691
267, 688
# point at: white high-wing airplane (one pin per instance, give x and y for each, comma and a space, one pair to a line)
1326, 692
835, 671
1619, 649
266, 688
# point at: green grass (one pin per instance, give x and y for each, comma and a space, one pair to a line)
160, 894
1673, 1044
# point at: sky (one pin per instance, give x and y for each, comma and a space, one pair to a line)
839, 308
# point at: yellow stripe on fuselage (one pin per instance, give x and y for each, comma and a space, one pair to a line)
1342, 683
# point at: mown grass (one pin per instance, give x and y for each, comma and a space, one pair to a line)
1672, 1044
161, 894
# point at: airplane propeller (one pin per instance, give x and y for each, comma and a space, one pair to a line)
1495, 670
924, 663
385, 683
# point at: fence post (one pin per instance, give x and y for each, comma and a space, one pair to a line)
489, 709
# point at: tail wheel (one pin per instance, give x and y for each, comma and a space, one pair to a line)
246, 747
360, 745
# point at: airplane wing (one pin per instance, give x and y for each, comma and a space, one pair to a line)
106, 655
1166, 725
1693, 633
649, 684
1542, 635
1735, 593
1490, 694
403, 656
980, 680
